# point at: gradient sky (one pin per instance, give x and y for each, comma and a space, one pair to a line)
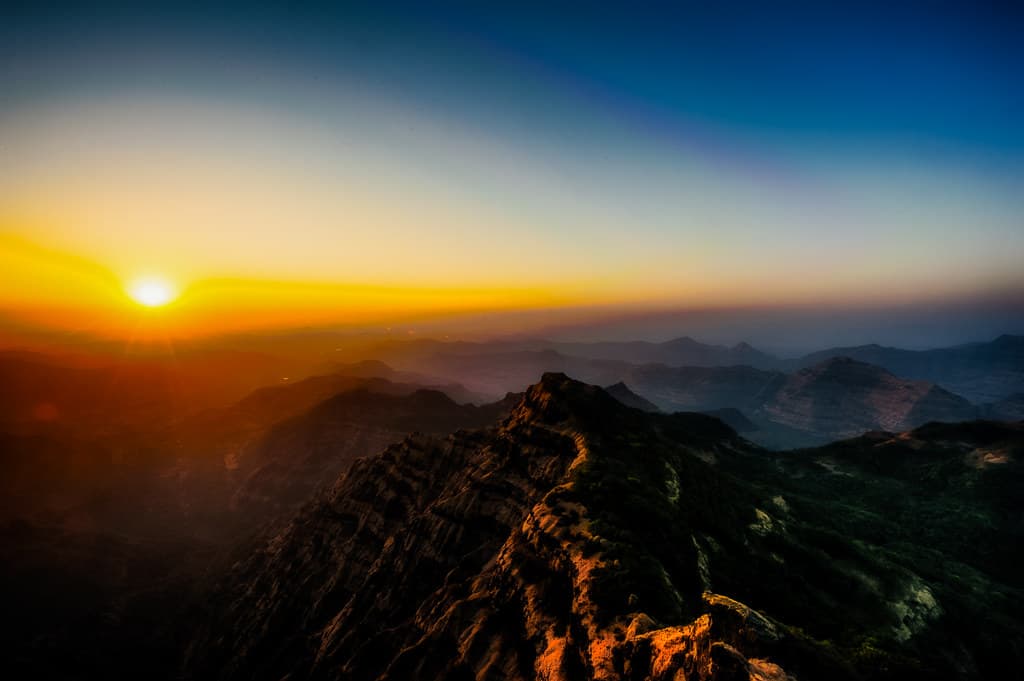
364, 162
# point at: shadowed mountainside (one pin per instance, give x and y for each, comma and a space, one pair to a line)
583, 539
981, 372
295, 457
623, 394
81, 448
111, 549
842, 398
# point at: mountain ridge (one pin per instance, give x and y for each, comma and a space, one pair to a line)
581, 539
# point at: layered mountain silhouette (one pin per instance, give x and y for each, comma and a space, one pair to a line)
834, 399
790, 406
584, 539
981, 372
684, 351
98, 456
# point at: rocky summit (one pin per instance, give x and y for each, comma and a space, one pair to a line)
583, 539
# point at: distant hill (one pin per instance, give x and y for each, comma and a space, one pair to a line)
497, 373
623, 394
377, 369
842, 397
981, 372
683, 351
497, 367
107, 446
837, 398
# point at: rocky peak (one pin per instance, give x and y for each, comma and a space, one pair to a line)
559, 400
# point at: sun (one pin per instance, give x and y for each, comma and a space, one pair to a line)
151, 291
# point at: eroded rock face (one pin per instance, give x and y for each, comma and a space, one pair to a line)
579, 540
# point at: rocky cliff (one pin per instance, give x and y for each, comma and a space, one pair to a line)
582, 539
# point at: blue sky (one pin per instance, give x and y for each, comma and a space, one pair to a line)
916, 73
692, 154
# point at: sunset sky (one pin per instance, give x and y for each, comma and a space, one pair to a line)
322, 165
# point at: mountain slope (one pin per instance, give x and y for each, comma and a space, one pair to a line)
981, 372
583, 539
623, 394
842, 397
119, 536
295, 457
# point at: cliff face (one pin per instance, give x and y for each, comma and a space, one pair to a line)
582, 539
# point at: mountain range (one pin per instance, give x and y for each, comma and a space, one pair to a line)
836, 398
583, 539
981, 372
106, 447
381, 523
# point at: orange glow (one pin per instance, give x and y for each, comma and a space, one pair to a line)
152, 292
48, 289
259, 219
